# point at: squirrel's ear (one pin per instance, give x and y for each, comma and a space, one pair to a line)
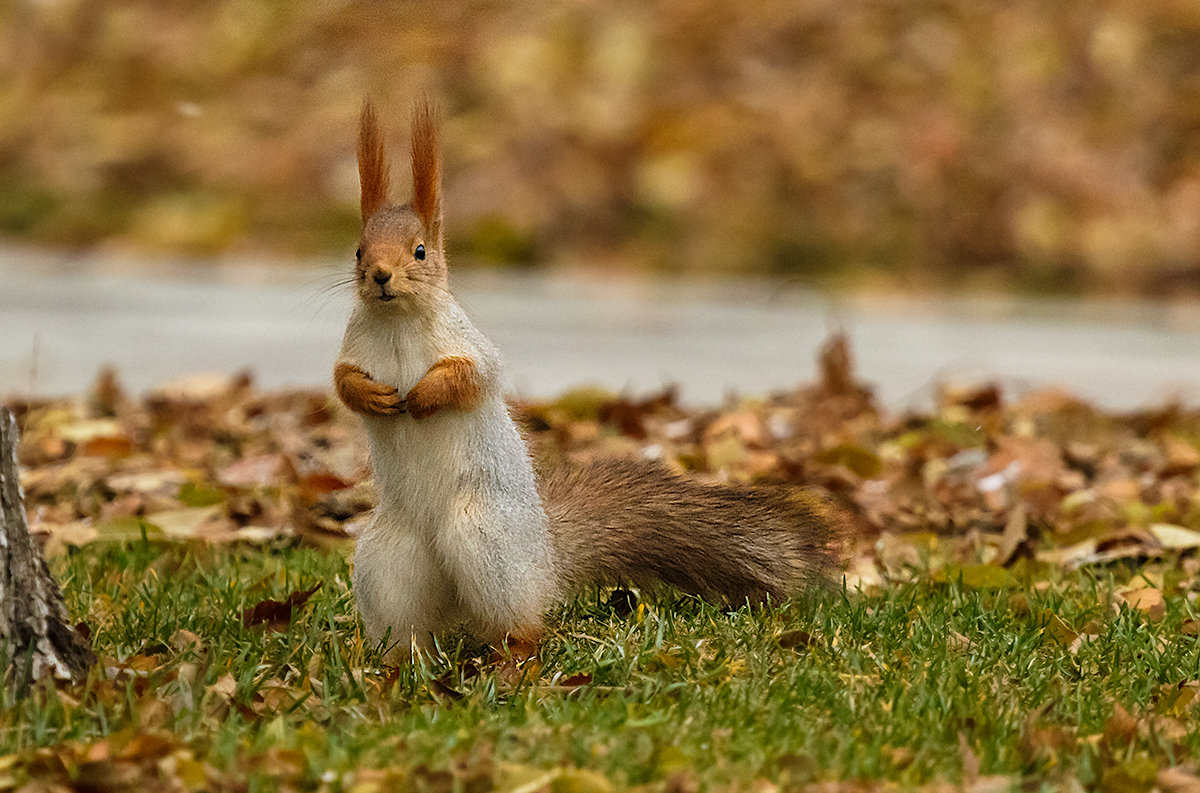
372, 162
427, 167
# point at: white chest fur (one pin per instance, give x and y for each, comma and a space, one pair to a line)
459, 531
417, 463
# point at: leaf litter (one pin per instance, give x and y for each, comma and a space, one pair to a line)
989, 492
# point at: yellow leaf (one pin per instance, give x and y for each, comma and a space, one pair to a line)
1175, 538
863, 462
725, 453
1131, 776
513, 778
1058, 630
1147, 600
985, 576
668, 659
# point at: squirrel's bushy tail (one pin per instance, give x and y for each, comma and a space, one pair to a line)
617, 521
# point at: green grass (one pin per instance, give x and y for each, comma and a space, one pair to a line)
889, 685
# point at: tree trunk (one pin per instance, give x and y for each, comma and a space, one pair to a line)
37, 639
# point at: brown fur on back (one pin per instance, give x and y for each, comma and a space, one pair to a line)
372, 163
634, 521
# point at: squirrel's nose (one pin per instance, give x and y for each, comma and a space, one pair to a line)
381, 277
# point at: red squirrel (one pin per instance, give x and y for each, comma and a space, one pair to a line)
465, 531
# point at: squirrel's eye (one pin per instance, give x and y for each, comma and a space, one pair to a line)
358, 254
419, 252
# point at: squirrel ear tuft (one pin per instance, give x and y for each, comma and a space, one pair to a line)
372, 162
427, 167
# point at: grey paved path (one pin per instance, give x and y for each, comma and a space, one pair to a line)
62, 317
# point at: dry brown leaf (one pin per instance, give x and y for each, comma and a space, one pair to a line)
276, 615
1015, 538
1121, 727
1038, 741
147, 746
185, 641
1179, 779
792, 640
263, 470
319, 484
64, 536
224, 688
106, 446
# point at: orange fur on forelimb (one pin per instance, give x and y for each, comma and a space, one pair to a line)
452, 382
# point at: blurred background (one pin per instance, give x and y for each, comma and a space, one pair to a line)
864, 146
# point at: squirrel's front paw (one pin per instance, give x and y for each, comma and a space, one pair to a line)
363, 395
423, 400
383, 400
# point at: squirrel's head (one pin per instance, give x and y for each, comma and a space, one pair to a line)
401, 256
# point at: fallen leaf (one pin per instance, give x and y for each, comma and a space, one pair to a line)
106, 446
126, 528
187, 522
196, 494
957, 641
444, 690
146, 746
276, 614
85, 430
1056, 629
791, 640
259, 471
199, 387
64, 536
1175, 538
1148, 600
1178, 780
1121, 727
976, 576
184, 641
1130, 776
1015, 537
319, 484
862, 461
224, 687
512, 778
108, 775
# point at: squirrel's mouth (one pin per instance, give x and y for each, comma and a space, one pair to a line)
386, 296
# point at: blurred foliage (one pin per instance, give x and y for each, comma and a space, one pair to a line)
1042, 144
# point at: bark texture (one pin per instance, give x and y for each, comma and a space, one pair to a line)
38, 640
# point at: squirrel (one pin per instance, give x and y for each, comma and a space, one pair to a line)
464, 531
